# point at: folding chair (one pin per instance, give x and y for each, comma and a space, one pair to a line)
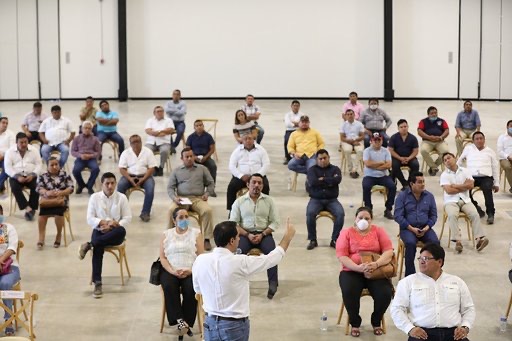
212, 126
27, 305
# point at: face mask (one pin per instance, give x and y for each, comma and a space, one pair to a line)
374, 106
510, 131
432, 118
182, 224
362, 224
2, 219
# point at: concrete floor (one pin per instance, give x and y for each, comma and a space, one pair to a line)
308, 279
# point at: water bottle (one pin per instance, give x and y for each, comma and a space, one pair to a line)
238, 251
323, 322
503, 324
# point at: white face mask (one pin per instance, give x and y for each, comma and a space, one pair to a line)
374, 106
362, 224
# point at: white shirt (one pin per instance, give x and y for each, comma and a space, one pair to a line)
420, 301
7, 140
223, 279
504, 146
114, 207
480, 162
159, 125
9, 241
29, 163
137, 165
243, 161
56, 131
291, 118
180, 249
455, 178
351, 130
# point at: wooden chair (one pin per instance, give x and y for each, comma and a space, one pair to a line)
97, 184
167, 163
365, 292
119, 251
401, 255
134, 189
424, 165
115, 148
509, 306
465, 142
12, 200
27, 307
200, 314
67, 219
293, 177
502, 175
242, 192
381, 189
344, 163
17, 285
462, 215
212, 127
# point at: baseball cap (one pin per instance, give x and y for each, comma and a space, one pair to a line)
376, 136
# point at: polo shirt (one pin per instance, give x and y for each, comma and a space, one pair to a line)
468, 120
455, 178
401, 147
109, 116
200, 144
159, 125
137, 165
434, 128
381, 154
351, 130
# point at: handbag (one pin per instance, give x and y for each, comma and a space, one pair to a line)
53, 202
154, 274
386, 271
6, 267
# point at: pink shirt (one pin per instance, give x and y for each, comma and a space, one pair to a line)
350, 243
358, 107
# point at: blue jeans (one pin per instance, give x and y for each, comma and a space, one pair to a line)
410, 241
3, 175
113, 136
149, 191
386, 181
226, 330
331, 205
80, 164
261, 132
302, 165
180, 130
6, 283
63, 148
99, 240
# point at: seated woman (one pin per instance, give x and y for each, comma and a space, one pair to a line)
179, 248
8, 247
243, 126
54, 184
364, 237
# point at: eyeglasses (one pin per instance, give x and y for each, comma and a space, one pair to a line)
424, 258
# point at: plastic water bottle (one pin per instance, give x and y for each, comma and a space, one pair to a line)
503, 324
238, 251
323, 322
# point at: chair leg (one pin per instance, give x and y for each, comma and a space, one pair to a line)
509, 306
340, 314
68, 218
64, 233
401, 260
126, 264
121, 265
163, 313
383, 325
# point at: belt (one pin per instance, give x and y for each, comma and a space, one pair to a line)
222, 318
136, 176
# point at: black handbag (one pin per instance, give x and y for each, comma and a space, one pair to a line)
154, 275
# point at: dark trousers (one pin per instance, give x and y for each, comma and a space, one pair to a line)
173, 288
17, 191
180, 130
396, 172
113, 136
236, 184
331, 205
386, 181
3, 174
79, 166
438, 334
34, 135
261, 132
485, 183
99, 241
352, 284
410, 241
286, 139
266, 246
381, 132
212, 167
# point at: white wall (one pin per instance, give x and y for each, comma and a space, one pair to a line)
491, 49
506, 51
49, 48
469, 48
8, 50
230, 48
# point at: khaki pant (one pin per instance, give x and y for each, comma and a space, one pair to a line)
452, 210
464, 134
507, 166
427, 147
203, 209
347, 150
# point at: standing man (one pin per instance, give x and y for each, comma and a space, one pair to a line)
257, 218
159, 130
457, 182
86, 149
433, 130
404, 149
253, 114
88, 114
108, 214
23, 165
352, 104
7, 140
136, 166
377, 161
416, 215
222, 278
351, 137
291, 122
56, 133
303, 145
203, 146
466, 123
432, 304
373, 119
193, 181
483, 165
32, 122
107, 126
324, 179
505, 153
176, 109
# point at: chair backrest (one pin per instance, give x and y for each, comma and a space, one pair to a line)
27, 306
20, 245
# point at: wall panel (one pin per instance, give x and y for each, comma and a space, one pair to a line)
8, 50
49, 48
506, 51
469, 49
27, 49
491, 49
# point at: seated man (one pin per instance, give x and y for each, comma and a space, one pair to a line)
352, 104
324, 179
416, 215
377, 161
257, 218
136, 166
32, 122
403, 147
291, 123
373, 119
56, 133
466, 123
303, 145
433, 130
23, 164
247, 158
86, 149
203, 146
106, 122
351, 137
457, 182
176, 109
189, 182
7, 140
108, 214
88, 114
253, 112
505, 153
159, 129
483, 165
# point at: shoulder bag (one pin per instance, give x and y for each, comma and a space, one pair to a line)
53, 202
154, 275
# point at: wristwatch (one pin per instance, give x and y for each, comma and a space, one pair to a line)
467, 329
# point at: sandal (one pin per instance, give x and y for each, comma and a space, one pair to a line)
56, 244
378, 331
9, 331
354, 332
40, 245
183, 327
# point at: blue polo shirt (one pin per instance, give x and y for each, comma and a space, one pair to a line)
401, 147
468, 120
109, 116
200, 144
417, 213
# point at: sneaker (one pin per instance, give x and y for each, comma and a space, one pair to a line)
285, 162
83, 249
353, 175
332, 244
173, 150
98, 290
79, 190
388, 214
312, 244
510, 190
482, 243
430, 172
160, 171
490, 219
29, 216
144, 217
272, 289
356, 174
458, 247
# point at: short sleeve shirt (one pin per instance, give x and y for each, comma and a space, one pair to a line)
109, 116
403, 147
381, 154
158, 125
351, 130
200, 144
137, 165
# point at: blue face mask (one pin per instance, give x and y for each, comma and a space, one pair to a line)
432, 118
182, 224
2, 219
510, 131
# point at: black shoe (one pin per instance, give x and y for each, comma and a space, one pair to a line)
2, 189
155, 171
388, 214
90, 191
285, 162
173, 150
272, 288
332, 244
79, 190
312, 244
160, 171
144, 217
29, 216
481, 212
490, 219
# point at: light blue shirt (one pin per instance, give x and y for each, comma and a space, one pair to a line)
109, 116
468, 120
373, 154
